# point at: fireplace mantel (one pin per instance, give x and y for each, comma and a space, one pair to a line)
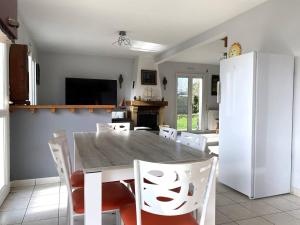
135, 106
147, 103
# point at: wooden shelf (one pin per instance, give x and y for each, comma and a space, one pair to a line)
54, 108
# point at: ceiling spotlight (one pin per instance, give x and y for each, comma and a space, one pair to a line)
123, 40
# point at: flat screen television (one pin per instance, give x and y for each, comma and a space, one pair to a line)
81, 91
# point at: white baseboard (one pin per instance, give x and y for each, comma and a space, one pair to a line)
3, 193
296, 191
32, 182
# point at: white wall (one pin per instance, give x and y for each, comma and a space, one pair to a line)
169, 70
24, 37
56, 67
272, 27
145, 62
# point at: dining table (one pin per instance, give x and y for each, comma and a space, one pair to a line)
108, 156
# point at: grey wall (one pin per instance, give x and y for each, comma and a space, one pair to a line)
56, 67
170, 69
30, 132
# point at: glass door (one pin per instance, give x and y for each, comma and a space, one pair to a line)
182, 103
4, 118
189, 102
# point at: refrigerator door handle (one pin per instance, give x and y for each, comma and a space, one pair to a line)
219, 92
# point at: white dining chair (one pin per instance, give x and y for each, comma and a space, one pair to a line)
196, 141
168, 133
113, 126
170, 193
77, 177
120, 126
114, 194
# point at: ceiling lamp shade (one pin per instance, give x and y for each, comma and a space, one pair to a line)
123, 40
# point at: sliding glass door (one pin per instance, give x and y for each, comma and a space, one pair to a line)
4, 126
189, 102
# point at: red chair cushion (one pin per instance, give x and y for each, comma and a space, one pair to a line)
114, 195
128, 215
77, 179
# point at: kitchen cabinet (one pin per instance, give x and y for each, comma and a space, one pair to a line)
18, 74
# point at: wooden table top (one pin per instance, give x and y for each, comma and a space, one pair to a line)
112, 150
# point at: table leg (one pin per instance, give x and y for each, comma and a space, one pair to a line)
93, 198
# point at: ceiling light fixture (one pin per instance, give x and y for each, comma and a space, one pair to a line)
123, 40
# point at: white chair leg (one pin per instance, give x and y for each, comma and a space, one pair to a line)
118, 217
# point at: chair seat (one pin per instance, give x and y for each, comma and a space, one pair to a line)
77, 179
128, 215
114, 195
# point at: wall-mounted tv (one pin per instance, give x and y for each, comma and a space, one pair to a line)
90, 91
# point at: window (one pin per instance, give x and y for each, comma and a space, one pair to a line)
4, 116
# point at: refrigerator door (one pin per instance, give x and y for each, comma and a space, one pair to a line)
236, 122
273, 133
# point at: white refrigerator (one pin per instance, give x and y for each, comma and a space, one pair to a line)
256, 106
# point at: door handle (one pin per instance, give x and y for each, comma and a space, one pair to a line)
13, 22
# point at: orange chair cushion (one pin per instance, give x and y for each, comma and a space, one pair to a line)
114, 195
77, 179
128, 215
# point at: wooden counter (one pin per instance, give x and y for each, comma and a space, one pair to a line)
53, 108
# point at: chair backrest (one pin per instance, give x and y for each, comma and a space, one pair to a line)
57, 147
173, 189
196, 141
113, 126
102, 127
168, 133
120, 126
62, 134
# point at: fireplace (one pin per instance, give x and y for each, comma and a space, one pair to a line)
147, 113
147, 118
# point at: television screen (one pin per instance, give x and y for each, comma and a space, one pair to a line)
90, 91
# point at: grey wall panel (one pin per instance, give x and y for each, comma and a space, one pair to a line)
30, 132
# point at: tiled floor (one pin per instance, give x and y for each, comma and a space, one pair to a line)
46, 205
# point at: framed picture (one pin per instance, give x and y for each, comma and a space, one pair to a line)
214, 84
148, 77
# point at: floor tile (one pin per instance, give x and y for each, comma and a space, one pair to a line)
53, 221
259, 207
41, 213
221, 218
281, 203
236, 196
44, 200
12, 217
236, 212
282, 219
295, 213
221, 188
46, 189
254, 221
221, 200
14, 204
293, 198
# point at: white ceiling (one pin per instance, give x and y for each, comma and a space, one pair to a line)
90, 26
206, 54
